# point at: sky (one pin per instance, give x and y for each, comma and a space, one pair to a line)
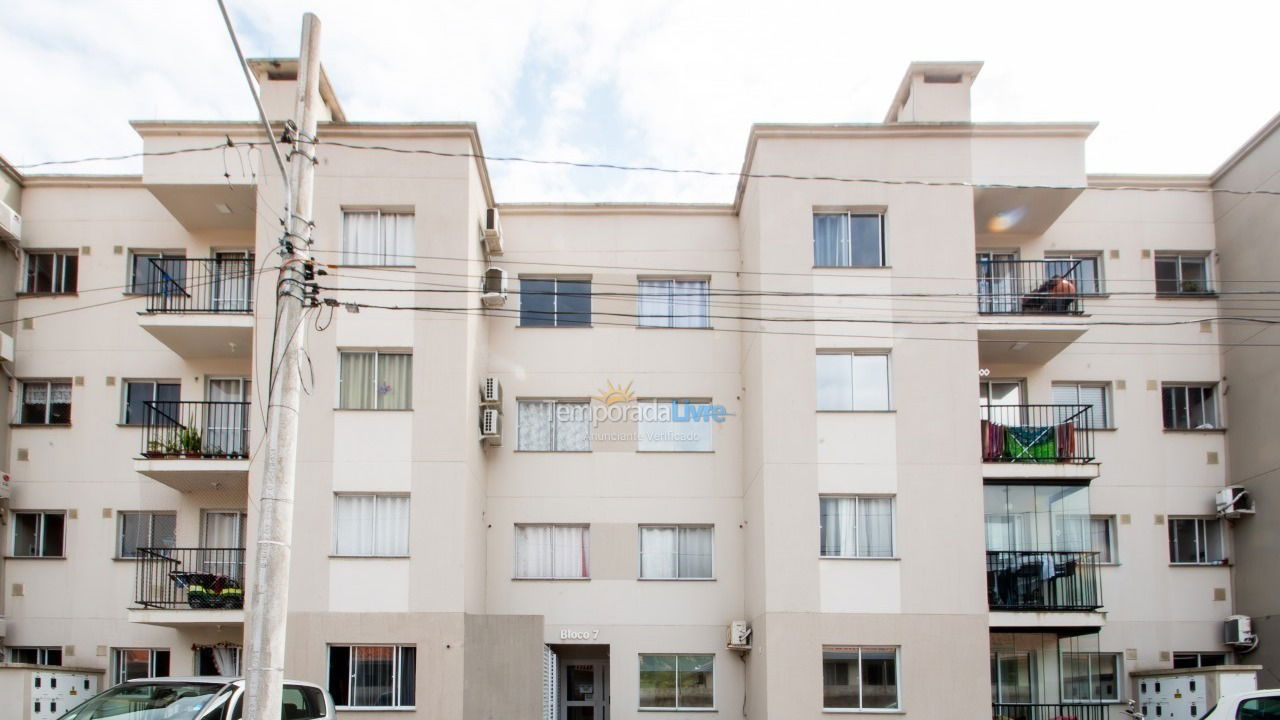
1176, 86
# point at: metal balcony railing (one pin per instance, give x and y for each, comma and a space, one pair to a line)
1037, 580
1030, 287
1060, 711
208, 430
196, 578
197, 285
1036, 433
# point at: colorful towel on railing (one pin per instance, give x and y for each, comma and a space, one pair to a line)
992, 440
1036, 444
1065, 437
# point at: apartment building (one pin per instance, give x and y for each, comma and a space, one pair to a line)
551, 454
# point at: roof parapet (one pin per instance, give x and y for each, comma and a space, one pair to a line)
934, 92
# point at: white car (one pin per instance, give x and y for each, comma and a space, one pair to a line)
1258, 705
197, 698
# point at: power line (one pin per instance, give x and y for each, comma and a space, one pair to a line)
131, 156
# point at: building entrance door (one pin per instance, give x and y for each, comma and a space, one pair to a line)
585, 694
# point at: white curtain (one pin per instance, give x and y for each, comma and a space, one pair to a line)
875, 527
397, 239
356, 380
658, 552
536, 423
391, 526
839, 525
552, 551
690, 304
395, 381
353, 524
696, 551
870, 382
361, 244
831, 241
573, 427
653, 309
226, 659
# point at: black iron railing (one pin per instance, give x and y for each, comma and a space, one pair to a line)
1037, 433
1061, 711
1043, 580
197, 578
197, 285
1029, 287
195, 430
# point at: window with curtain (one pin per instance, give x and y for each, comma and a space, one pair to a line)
38, 534
676, 552
153, 272
374, 237
674, 426
146, 530
51, 272
856, 526
555, 302
1094, 395
1196, 541
1183, 274
554, 426
45, 402
553, 552
221, 660
375, 380
1084, 268
846, 239
860, 678
370, 525
373, 676
853, 381
1190, 407
165, 395
1102, 531
132, 663
1090, 677
674, 303
677, 682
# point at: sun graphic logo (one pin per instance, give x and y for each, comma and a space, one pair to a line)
613, 394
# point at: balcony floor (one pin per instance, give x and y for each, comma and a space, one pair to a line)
1040, 471
202, 335
1065, 624
183, 618
192, 475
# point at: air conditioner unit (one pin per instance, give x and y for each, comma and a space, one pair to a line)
1233, 501
492, 232
739, 635
491, 392
1237, 631
10, 223
5, 483
491, 427
494, 289
6, 347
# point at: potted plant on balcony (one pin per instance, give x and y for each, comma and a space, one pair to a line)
188, 440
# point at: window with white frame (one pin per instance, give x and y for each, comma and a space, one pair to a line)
165, 396
859, 678
553, 552
370, 524
1183, 274
848, 239
38, 534
853, 381
554, 425
676, 552
1190, 407
140, 530
45, 402
1102, 538
1196, 541
1093, 395
375, 237
373, 676
855, 526
51, 272
152, 272
133, 663
36, 655
1200, 659
221, 660
675, 426
555, 302
677, 682
1090, 677
375, 380
1084, 268
674, 303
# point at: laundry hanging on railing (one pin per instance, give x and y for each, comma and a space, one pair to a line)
1028, 443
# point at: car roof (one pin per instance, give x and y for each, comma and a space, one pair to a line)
209, 680
1273, 692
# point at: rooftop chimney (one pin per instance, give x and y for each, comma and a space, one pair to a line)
278, 87
934, 92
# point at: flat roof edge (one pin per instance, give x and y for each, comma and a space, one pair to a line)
1244, 150
616, 208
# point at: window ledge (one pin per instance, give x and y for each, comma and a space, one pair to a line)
47, 294
864, 412
677, 710
1222, 564
677, 580
549, 579
869, 711
1187, 296
1196, 430
39, 425
674, 452
368, 557
852, 267
361, 708
553, 452
895, 558
35, 557
364, 410
667, 327
341, 265
562, 327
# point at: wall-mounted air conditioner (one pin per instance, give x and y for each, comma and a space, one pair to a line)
739, 635
1237, 631
10, 223
491, 427
492, 232
6, 347
1233, 501
494, 290
491, 392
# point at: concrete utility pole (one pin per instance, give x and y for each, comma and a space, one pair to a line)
269, 601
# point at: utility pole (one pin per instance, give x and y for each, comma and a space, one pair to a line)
269, 601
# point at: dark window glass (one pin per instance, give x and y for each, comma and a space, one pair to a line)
1166, 275
538, 302
340, 675
1261, 708
408, 675
573, 303
165, 396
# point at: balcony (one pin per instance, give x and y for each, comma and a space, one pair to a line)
1037, 442
196, 446
1018, 711
1022, 303
1044, 591
188, 587
200, 307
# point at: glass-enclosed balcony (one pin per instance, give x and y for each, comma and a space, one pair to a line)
1046, 676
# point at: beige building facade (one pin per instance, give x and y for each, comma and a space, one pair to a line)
552, 454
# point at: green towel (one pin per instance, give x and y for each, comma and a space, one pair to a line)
1031, 444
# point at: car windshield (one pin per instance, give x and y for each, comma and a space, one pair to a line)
147, 701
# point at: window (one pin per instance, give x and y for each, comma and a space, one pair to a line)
1094, 395
46, 402
848, 240
370, 525
38, 534
1196, 541
853, 381
553, 552
375, 380
677, 682
1011, 677
554, 426
373, 676
1182, 275
1190, 407
51, 272
155, 272
165, 395
856, 526
145, 530
1199, 659
217, 660
1089, 677
670, 303
36, 655
377, 238
555, 302
676, 552
1259, 708
131, 663
860, 678
1084, 268
674, 426
1102, 533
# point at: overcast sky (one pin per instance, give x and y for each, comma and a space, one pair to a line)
1176, 86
